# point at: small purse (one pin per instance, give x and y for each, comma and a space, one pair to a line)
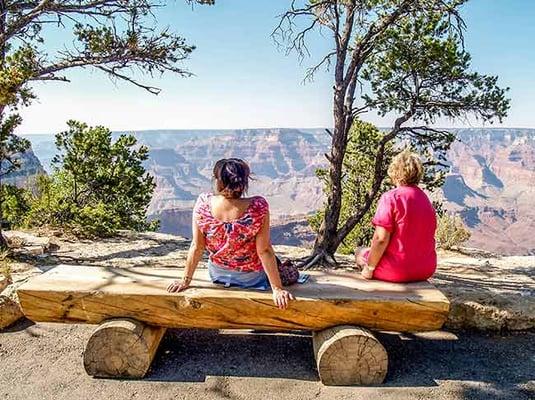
288, 272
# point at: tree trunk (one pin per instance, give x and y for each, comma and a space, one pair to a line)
3, 242
122, 348
327, 239
349, 355
3, 18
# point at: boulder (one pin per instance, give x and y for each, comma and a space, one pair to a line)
10, 311
4, 282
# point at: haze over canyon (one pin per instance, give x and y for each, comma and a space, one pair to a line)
491, 182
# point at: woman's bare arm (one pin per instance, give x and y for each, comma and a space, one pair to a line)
380, 240
265, 251
195, 253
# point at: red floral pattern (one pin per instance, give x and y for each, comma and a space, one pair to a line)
232, 244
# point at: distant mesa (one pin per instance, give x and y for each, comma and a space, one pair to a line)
491, 181
30, 166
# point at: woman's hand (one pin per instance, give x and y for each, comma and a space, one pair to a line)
178, 286
282, 297
367, 272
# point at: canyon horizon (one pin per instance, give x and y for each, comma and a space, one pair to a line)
491, 181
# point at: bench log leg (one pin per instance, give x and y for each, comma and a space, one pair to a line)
121, 348
349, 355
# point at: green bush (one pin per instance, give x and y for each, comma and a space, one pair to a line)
15, 204
98, 186
358, 174
451, 231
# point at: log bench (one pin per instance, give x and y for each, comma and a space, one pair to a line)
133, 310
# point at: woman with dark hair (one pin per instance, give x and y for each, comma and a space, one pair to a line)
235, 231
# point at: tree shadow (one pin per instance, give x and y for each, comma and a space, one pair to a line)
136, 256
477, 283
144, 252
501, 362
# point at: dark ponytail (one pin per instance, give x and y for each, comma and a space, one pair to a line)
231, 177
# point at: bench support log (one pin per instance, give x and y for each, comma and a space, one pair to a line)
349, 355
122, 348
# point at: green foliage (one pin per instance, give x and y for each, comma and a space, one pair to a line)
98, 186
10, 145
357, 179
401, 59
15, 204
451, 231
421, 64
51, 204
119, 38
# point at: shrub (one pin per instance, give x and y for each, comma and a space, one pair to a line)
98, 186
358, 175
451, 231
14, 203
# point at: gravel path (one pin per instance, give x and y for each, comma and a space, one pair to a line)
43, 361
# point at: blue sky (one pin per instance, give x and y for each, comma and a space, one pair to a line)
242, 80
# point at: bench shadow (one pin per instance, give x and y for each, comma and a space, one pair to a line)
414, 361
192, 355
22, 324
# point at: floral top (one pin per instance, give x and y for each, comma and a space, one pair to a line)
232, 244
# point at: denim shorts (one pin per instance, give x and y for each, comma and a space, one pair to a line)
230, 277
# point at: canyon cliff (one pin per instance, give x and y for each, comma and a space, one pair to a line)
491, 182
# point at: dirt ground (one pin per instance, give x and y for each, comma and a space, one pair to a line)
44, 362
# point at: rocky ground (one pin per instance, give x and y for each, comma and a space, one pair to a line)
493, 295
487, 292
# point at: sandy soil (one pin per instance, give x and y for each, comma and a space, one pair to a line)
44, 362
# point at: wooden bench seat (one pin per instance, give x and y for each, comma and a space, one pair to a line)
93, 294
333, 304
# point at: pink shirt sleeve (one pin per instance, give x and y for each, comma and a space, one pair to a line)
384, 216
259, 209
201, 211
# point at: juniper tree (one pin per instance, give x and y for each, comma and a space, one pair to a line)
98, 185
120, 38
401, 58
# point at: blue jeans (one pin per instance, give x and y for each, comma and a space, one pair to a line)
231, 277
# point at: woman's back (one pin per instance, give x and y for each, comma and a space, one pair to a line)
230, 228
229, 209
409, 215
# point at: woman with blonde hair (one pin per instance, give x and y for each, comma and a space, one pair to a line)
235, 231
403, 244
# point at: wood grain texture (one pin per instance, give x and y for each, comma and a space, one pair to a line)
122, 348
349, 355
92, 294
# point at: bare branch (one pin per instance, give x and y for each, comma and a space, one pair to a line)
114, 74
309, 76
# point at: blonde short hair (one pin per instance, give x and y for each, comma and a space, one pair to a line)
406, 169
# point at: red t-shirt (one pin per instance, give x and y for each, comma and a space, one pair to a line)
407, 213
